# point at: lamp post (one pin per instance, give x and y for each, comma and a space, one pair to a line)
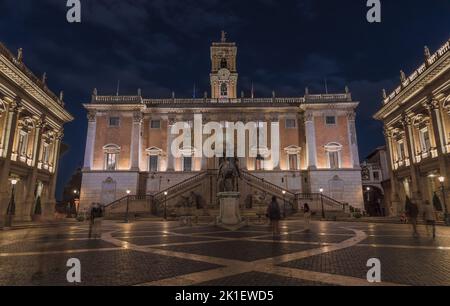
128, 206
284, 203
76, 201
368, 194
446, 216
11, 210
321, 202
165, 205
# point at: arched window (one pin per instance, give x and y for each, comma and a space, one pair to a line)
333, 150
223, 63
111, 156
223, 90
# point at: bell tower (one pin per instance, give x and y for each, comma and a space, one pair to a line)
223, 69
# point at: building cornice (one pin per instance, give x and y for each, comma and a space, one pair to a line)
433, 67
34, 88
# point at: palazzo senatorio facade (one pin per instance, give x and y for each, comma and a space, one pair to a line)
129, 142
416, 118
31, 129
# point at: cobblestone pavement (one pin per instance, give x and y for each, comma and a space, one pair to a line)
164, 253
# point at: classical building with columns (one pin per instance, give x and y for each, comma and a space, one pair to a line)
129, 143
416, 118
31, 129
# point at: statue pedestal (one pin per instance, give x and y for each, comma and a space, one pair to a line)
230, 216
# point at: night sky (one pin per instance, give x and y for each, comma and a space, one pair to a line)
163, 46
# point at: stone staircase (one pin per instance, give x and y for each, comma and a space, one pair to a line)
166, 203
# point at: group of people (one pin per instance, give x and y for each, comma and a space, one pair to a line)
274, 215
429, 216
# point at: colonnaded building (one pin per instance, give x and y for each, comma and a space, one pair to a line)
31, 129
416, 118
129, 142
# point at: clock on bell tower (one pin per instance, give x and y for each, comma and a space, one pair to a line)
223, 69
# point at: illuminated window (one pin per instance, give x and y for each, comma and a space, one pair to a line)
45, 153
293, 162
23, 143
401, 150
333, 151
111, 156
425, 140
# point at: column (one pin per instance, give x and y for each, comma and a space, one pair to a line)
90, 141
353, 141
135, 141
416, 194
310, 140
48, 208
11, 125
274, 119
31, 184
170, 161
395, 201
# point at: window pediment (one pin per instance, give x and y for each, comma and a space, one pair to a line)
111, 149
333, 147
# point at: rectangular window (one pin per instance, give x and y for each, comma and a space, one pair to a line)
330, 120
114, 121
425, 140
23, 143
153, 163
333, 158
291, 124
111, 161
376, 175
401, 150
187, 163
293, 162
45, 154
155, 124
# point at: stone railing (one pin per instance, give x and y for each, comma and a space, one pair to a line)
117, 99
324, 98
419, 71
21, 66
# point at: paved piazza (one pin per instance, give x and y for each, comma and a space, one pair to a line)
164, 253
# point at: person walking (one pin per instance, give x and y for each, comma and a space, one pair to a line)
306, 216
412, 211
92, 214
274, 214
430, 218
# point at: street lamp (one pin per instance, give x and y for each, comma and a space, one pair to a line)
321, 202
284, 202
165, 205
446, 216
368, 194
128, 205
11, 210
